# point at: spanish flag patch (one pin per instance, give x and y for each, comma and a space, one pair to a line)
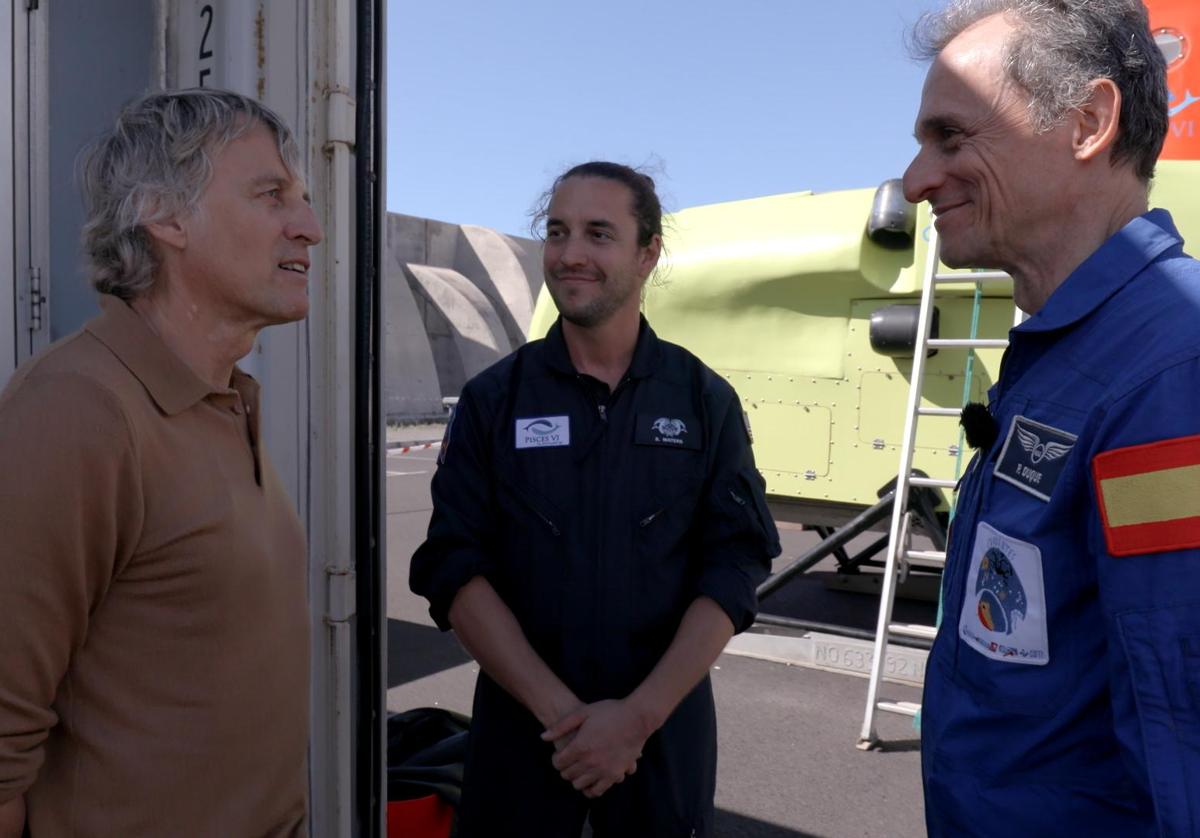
1150, 496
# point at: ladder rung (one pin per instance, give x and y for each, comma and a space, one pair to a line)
932, 483
904, 708
977, 276
932, 558
966, 343
939, 411
912, 630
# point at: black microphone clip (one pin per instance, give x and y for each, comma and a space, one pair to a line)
980, 426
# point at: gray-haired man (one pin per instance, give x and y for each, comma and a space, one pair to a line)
153, 619
1061, 694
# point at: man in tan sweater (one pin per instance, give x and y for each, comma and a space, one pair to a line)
153, 617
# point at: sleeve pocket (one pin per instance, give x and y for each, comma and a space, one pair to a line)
1162, 648
747, 491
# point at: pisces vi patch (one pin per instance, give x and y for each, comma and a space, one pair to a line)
1004, 610
1033, 456
543, 432
667, 429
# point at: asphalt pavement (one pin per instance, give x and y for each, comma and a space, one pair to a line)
788, 765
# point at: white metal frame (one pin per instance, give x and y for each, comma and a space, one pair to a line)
331, 452
39, 183
899, 553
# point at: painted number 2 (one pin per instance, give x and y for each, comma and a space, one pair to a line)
206, 12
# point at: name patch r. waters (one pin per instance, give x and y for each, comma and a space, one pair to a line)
669, 431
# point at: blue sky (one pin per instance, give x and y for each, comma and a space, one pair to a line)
488, 101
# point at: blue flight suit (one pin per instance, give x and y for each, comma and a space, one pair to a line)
598, 518
1063, 690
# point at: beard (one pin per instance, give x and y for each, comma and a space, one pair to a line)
594, 310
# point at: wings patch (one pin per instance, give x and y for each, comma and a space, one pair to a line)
1039, 450
1033, 456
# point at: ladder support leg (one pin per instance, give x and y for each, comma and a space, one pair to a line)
860, 524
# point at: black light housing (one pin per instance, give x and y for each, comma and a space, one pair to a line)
894, 330
893, 220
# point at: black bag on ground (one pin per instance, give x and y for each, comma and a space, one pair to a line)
426, 749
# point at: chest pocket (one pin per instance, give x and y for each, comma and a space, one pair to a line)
1021, 634
541, 484
527, 508
530, 547
667, 490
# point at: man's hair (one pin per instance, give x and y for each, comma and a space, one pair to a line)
153, 166
1059, 48
647, 209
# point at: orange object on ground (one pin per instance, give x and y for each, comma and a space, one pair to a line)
1176, 28
424, 817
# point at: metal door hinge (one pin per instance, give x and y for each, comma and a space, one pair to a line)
36, 299
340, 594
339, 115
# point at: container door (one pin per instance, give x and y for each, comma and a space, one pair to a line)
73, 64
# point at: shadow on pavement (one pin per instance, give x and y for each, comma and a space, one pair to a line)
900, 746
732, 825
806, 597
415, 651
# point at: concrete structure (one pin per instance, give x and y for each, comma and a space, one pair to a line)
458, 298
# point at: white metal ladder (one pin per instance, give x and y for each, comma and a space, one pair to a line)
899, 554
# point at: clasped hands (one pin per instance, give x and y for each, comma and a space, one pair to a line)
597, 745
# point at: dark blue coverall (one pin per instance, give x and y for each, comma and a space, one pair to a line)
598, 518
1063, 690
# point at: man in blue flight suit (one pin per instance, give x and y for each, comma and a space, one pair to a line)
598, 532
1063, 690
